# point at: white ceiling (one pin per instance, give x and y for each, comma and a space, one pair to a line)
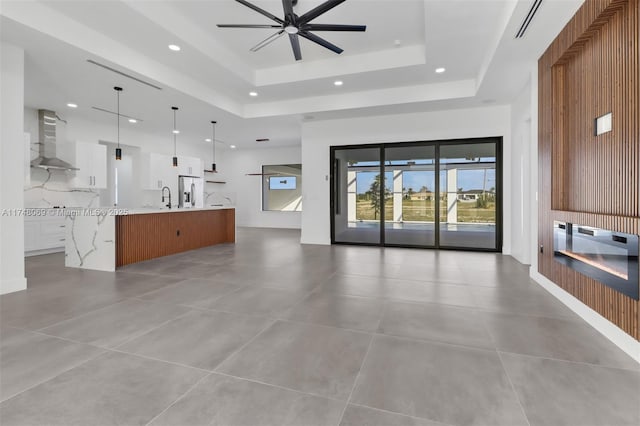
387, 69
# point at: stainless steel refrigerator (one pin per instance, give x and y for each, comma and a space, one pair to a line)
190, 192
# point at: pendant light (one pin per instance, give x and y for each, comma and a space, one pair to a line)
213, 142
175, 133
118, 150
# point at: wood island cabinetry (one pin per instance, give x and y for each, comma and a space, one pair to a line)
147, 236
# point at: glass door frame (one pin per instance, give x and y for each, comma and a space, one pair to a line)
333, 193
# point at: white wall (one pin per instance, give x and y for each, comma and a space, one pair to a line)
318, 136
12, 277
248, 189
521, 209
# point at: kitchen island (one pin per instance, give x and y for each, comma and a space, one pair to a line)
106, 238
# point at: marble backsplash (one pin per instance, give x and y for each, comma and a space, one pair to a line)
50, 188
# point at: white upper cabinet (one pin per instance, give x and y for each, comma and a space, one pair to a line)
157, 171
99, 165
190, 166
91, 159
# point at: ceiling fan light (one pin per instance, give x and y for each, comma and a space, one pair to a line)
290, 29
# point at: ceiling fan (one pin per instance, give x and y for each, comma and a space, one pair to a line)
295, 26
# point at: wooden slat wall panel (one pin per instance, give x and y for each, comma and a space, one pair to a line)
591, 173
591, 69
147, 236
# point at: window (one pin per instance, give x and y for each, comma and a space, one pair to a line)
282, 188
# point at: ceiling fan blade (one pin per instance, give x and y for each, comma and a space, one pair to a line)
332, 27
314, 13
261, 11
319, 40
287, 5
295, 45
267, 40
247, 26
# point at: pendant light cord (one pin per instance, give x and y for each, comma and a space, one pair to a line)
174, 133
213, 139
118, 92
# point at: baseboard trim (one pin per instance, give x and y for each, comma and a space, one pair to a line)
11, 286
43, 251
605, 327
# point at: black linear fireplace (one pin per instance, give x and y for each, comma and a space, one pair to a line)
607, 256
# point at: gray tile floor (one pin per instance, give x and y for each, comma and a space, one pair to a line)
271, 332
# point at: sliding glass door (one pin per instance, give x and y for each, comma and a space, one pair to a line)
443, 194
356, 202
411, 178
468, 195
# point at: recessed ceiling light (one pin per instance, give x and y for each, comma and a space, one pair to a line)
338, 83
175, 132
232, 146
70, 105
440, 70
207, 140
133, 120
254, 94
174, 47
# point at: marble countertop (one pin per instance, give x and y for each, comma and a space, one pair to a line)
118, 211
148, 210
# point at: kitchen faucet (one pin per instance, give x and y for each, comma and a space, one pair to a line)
169, 190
